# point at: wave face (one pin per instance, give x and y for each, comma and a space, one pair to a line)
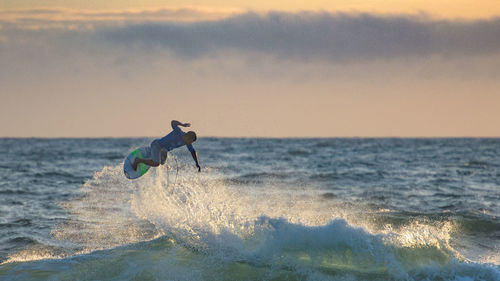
261, 210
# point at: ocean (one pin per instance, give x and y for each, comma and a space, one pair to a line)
261, 209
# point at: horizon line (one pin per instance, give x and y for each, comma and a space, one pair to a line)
256, 137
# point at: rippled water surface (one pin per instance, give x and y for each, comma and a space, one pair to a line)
262, 209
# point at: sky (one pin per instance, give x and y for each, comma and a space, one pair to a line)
381, 68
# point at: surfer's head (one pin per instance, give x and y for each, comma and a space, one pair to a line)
189, 137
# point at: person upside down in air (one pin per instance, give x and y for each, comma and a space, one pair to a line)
174, 139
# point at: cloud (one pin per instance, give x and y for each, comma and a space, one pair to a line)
50, 17
301, 36
334, 37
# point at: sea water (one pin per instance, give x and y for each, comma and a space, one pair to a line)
261, 209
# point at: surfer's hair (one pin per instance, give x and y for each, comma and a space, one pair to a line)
192, 135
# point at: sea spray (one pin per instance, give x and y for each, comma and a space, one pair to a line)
206, 226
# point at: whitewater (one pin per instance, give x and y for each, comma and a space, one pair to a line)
262, 209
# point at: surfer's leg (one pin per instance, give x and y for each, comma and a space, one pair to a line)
164, 155
148, 162
155, 157
156, 152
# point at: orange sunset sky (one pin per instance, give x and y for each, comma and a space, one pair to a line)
381, 68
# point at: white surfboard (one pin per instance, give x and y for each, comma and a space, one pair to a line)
141, 152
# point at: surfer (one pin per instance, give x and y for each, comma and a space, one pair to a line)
174, 139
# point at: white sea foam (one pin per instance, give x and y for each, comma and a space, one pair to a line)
205, 230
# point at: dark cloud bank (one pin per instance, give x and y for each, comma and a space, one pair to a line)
333, 37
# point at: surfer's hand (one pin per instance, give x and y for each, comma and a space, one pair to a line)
186, 124
199, 168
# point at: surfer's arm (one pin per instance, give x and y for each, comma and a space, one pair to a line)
176, 123
195, 158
